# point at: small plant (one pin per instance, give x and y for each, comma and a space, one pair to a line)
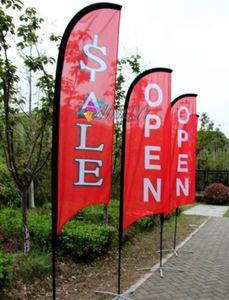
6, 269
216, 193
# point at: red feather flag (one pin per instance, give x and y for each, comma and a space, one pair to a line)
147, 145
84, 110
183, 151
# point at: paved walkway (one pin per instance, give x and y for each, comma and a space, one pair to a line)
206, 275
207, 210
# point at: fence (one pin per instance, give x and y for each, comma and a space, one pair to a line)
206, 177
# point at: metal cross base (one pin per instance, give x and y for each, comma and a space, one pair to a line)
175, 251
161, 270
169, 268
117, 296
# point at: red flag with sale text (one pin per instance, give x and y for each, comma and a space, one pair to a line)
147, 145
183, 151
84, 110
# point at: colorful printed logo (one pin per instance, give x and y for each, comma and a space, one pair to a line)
94, 108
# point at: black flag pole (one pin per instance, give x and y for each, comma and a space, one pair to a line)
54, 198
120, 233
54, 188
121, 204
161, 243
175, 233
53, 258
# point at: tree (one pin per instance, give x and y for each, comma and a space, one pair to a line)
212, 146
24, 122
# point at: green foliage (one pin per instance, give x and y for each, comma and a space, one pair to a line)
95, 213
79, 239
10, 225
40, 230
226, 215
216, 193
9, 193
25, 112
26, 98
42, 183
85, 241
40, 227
212, 146
148, 222
6, 269
34, 266
46, 207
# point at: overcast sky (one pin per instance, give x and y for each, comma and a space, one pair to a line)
189, 36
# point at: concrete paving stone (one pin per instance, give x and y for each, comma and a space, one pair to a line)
206, 270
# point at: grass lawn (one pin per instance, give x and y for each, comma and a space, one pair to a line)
79, 280
227, 214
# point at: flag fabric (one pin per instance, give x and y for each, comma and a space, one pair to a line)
146, 150
84, 110
183, 151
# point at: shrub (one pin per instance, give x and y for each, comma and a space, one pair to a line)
216, 193
40, 230
47, 207
148, 222
77, 238
85, 240
6, 269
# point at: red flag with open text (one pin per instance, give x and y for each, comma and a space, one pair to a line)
147, 145
84, 110
183, 151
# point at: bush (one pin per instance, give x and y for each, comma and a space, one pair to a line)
148, 222
40, 230
6, 269
216, 193
85, 240
77, 238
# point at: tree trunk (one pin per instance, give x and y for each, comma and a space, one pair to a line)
31, 195
105, 214
25, 227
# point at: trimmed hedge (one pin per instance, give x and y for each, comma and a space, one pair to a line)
79, 239
216, 193
85, 240
6, 269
